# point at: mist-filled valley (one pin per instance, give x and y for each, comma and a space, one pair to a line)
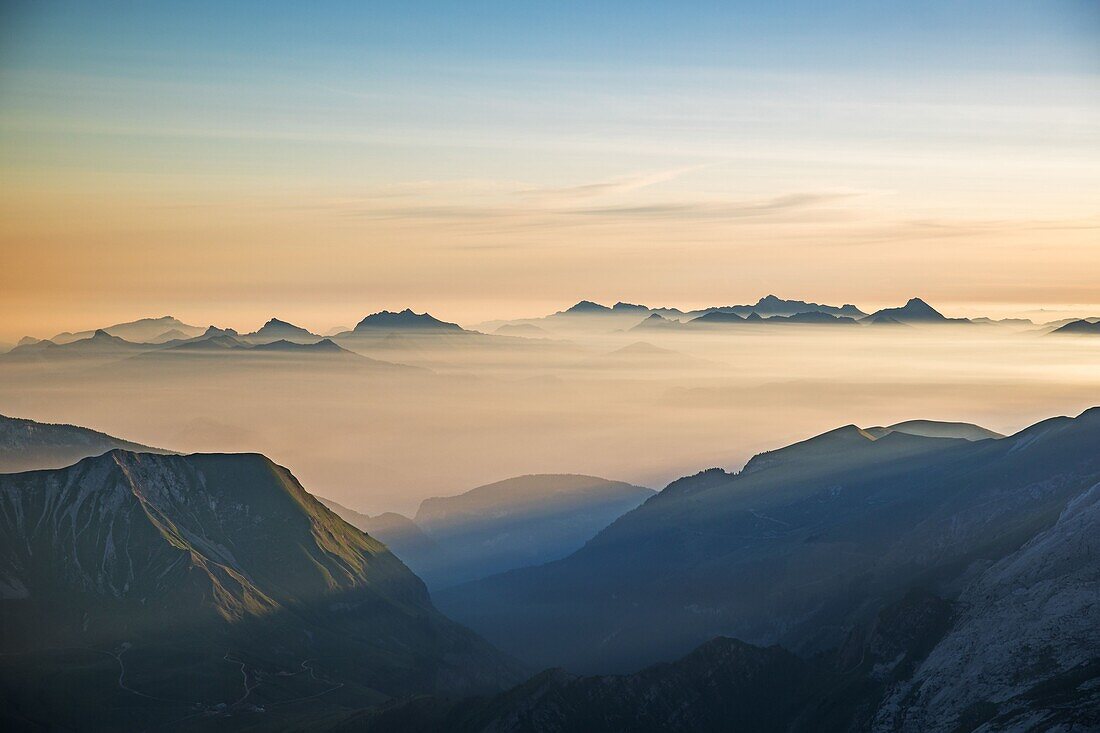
394, 415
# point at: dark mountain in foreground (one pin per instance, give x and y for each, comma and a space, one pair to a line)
527, 520
803, 544
1078, 328
26, 445
926, 583
406, 320
724, 685
137, 589
728, 685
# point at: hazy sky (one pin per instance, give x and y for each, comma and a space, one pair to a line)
319, 161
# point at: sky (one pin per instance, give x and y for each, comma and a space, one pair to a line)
229, 162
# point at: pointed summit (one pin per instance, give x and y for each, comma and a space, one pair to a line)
914, 311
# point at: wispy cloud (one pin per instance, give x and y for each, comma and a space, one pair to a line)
613, 186
718, 209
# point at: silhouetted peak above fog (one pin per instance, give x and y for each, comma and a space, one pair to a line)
277, 328
1079, 328
587, 306
914, 311
404, 320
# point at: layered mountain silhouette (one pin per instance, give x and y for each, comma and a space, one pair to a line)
800, 548
1079, 328
527, 520
141, 330
193, 574
99, 346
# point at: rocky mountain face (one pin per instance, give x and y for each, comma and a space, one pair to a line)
1024, 651
26, 445
216, 565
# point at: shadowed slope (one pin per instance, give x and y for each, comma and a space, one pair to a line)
801, 544
26, 445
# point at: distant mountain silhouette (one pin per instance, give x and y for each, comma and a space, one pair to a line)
172, 335
585, 307
99, 345
324, 347
630, 307
716, 318
406, 320
914, 311
1078, 328
143, 330
771, 305
813, 317
657, 321
806, 317
275, 330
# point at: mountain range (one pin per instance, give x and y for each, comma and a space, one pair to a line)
808, 545
922, 576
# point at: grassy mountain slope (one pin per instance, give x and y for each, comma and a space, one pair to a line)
216, 566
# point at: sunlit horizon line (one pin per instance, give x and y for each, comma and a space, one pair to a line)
1038, 313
